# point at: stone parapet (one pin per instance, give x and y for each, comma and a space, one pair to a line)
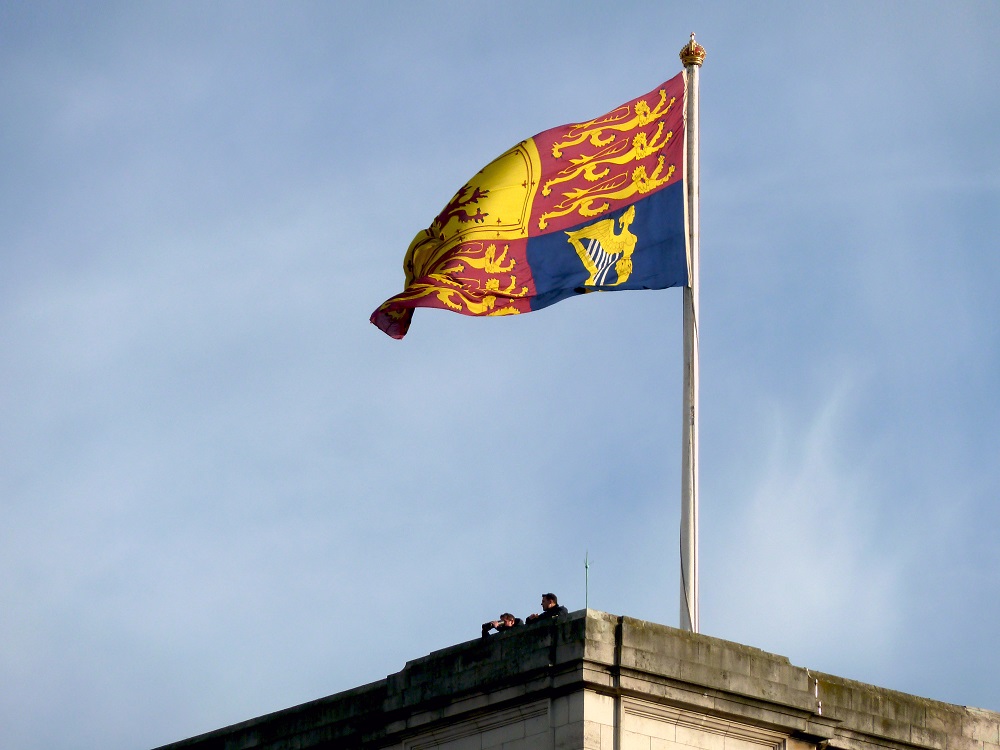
600, 681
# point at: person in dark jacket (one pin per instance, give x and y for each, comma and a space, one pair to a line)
550, 609
506, 622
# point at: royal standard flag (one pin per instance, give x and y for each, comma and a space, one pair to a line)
592, 206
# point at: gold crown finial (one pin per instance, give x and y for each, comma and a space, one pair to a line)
692, 53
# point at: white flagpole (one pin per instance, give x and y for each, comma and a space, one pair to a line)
692, 55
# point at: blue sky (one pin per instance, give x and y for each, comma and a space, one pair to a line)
223, 492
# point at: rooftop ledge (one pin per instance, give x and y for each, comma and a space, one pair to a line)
619, 659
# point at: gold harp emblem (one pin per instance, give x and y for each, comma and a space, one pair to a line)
600, 249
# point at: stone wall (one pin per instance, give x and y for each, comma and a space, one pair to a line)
604, 682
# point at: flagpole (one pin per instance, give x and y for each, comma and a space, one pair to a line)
692, 55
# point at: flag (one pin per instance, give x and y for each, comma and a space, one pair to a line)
590, 206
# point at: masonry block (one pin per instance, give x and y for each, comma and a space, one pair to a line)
981, 725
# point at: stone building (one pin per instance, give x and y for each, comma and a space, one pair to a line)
603, 682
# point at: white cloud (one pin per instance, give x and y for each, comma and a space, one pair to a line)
802, 560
